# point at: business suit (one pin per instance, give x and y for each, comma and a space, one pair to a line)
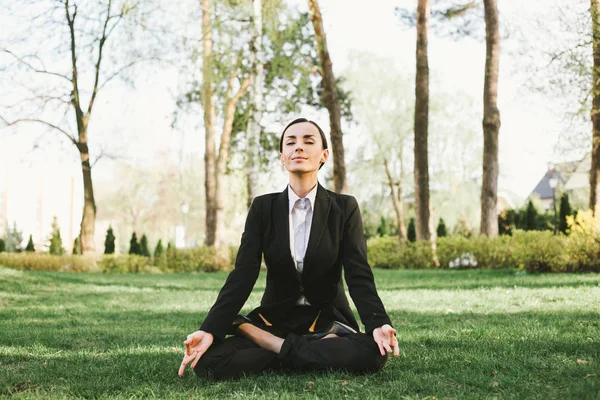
336, 240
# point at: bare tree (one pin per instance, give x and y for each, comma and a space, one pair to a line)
85, 42
332, 102
491, 123
421, 170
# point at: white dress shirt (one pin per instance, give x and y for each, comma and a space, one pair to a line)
300, 222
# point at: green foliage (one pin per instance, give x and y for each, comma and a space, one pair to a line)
144, 251
56, 245
109, 241
46, 262
14, 239
411, 232
2, 245
531, 217
134, 246
132, 263
77, 246
30, 247
441, 229
565, 211
158, 250
203, 258
382, 229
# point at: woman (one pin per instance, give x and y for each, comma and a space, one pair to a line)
304, 322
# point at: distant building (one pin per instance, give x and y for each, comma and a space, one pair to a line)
572, 178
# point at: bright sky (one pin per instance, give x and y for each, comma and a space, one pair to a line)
144, 114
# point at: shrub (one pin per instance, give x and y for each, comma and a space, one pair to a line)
441, 229
198, 259
583, 243
158, 251
134, 247
109, 241
77, 246
56, 245
47, 262
144, 251
124, 263
539, 251
30, 247
2, 245
565, 211
411, 231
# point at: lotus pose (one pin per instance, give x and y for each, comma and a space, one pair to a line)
307, 234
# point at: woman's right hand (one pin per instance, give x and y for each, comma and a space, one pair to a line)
195, 346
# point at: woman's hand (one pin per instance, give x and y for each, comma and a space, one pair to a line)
195, 346
385, 337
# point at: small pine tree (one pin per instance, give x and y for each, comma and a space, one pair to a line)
134, 246
56, 246
158, 251
144, 251
2, 245
30, 247
169, 246
565, 211
441, 229
109, 241
531, 217
411, 232
382, 229
77, 246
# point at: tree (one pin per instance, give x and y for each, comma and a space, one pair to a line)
14, 239
158, 251
56, 245
144, 251
134, 247
382, 229
411, 232
30, 247
595, 113
330, 95
109, 241
76, 246
531, 217
441, 229
2, 245
77, 69
214, 166
421, 164
565, 211
491, 123
256, 98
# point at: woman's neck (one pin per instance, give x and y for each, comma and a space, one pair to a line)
303, 184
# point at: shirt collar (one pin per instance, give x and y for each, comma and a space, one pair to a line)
293, 197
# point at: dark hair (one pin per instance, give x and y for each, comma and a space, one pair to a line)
298, 121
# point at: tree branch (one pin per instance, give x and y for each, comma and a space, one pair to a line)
69, 136
34, 69
75, 94
100, 48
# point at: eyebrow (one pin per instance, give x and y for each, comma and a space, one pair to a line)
305, 136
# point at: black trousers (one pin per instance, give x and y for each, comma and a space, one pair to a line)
238, 356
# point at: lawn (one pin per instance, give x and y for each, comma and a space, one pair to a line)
463, 334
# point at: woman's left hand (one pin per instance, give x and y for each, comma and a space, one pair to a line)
385, 337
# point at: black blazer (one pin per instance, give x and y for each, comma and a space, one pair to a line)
336, 239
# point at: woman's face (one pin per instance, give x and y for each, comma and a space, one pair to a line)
302, 149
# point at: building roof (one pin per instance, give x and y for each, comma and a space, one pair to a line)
561, 171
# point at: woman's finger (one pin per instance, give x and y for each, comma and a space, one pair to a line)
387, 347
380, 347
198, 355
186, 359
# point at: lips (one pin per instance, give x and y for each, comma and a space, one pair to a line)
299, 158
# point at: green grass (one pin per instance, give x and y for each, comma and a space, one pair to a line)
463, 334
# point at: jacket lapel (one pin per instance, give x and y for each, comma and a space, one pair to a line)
282, 229
318, 226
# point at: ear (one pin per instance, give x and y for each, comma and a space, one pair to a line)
281, 158
325, 155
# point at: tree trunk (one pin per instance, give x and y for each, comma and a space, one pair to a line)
88, 221
595, 114
421, 125
209, 132
331, 99
396, 201
491, 123
256, 100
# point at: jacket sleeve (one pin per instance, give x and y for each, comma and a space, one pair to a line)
357, 271
241, 280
